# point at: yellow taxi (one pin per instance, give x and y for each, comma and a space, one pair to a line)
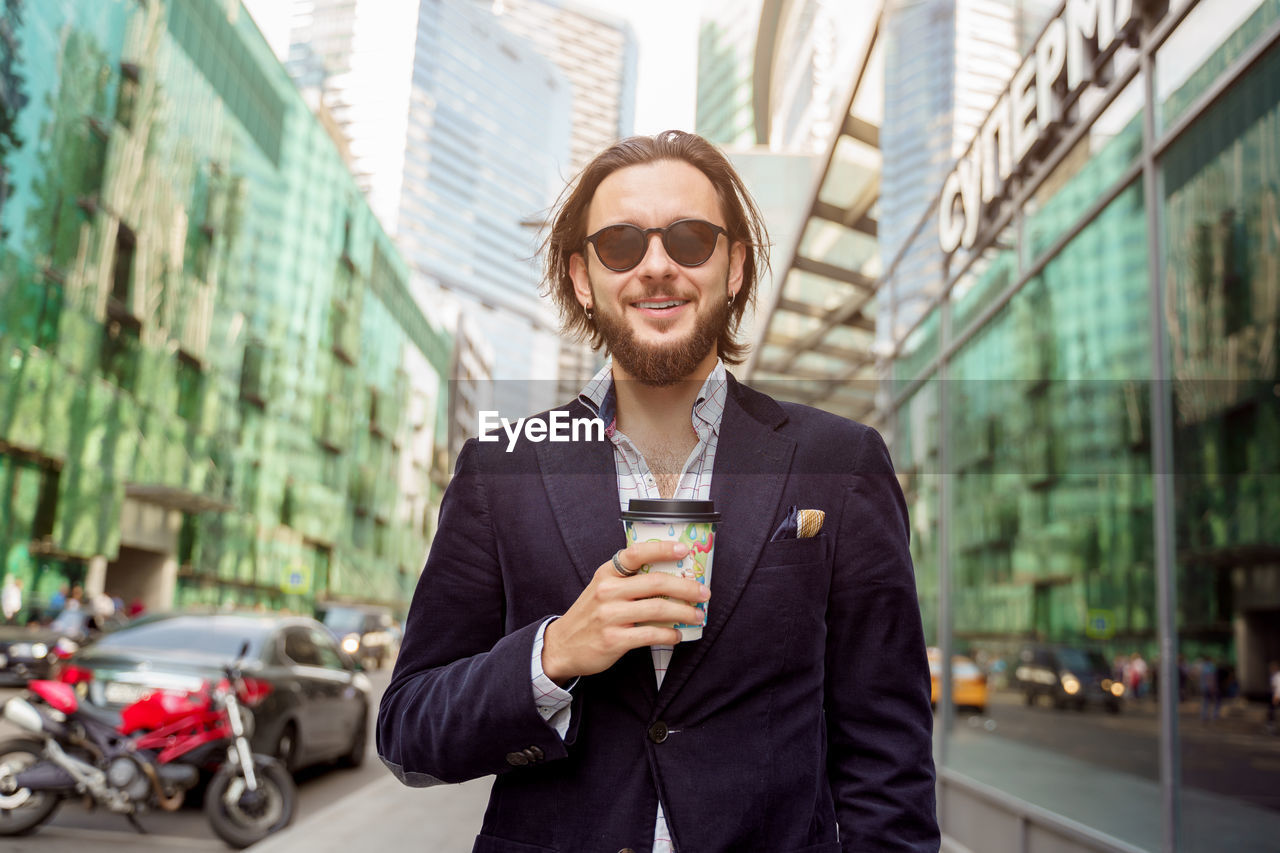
968, 683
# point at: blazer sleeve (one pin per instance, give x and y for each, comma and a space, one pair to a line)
459, 704
879, 723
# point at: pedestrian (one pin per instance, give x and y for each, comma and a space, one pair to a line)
535, 649
1137, 675
1210, 698
58, 600
76, 600
1275, 697
11, 598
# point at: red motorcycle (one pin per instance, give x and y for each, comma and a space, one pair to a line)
145, 756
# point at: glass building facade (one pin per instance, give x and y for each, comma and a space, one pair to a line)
1086, 420
215, 387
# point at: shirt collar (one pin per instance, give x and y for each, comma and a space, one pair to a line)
598, 395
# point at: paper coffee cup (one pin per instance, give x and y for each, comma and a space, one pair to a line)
692, 523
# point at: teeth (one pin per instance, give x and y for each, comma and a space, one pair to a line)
669, 304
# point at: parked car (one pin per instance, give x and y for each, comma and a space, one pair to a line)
968, 683
316, 705
30, 651
366, 631
1068, 677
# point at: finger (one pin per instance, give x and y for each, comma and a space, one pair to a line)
635, 556
640, 636
664, 610
650, 585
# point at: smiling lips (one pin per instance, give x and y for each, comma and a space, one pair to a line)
660, 307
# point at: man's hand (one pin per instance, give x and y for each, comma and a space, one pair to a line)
609, 617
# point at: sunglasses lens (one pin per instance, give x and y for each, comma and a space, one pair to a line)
690, 242
620, 247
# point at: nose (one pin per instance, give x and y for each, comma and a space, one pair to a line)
656, 263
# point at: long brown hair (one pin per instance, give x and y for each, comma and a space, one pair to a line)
569, 225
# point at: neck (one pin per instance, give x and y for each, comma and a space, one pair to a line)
649, 408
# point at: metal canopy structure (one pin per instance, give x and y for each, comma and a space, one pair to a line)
815, 342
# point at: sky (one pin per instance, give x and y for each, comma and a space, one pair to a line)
667, 39
667, 35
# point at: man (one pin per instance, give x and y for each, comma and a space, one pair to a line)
1275, 696
11, 598
800, 720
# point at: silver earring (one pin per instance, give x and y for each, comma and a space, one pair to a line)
586, 309
731, 295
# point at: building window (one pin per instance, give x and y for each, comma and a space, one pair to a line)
190, 388
119, 353
122, 268
127, 95
253, 375
46, 505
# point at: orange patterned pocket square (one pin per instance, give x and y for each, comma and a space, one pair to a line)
800, 524
810, 523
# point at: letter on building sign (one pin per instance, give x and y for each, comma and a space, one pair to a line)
970, 170
965, 186
1051, 56
997, 157
1022, 93
950, 226
1089, 20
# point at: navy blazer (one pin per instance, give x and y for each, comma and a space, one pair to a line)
799, 722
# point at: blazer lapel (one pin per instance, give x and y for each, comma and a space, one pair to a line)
581, 482
751, 469
582, 486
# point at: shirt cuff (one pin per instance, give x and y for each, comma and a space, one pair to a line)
554, 702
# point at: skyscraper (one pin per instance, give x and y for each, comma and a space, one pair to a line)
946, 63
595, 51
774, 73
459, 132
726, 65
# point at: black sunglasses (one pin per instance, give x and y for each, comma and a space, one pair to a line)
688, 242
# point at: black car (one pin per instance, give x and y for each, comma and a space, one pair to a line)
317, 707
367, 632
1068, 677
29, 652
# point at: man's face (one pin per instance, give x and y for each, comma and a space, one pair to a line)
660, 320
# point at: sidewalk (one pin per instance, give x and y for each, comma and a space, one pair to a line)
386, 815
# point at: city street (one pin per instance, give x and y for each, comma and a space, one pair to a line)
321, 789
1232, 756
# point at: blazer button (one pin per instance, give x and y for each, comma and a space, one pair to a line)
534, 753
627, 850
517, 759
658, 732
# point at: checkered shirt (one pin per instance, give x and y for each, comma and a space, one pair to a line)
635, 480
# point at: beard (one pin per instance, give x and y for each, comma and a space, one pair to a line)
663, 364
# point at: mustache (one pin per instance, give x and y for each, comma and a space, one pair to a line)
648, 294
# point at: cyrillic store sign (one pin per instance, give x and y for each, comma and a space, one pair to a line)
1071, 54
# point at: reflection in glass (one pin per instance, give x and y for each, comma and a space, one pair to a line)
1051, 546
1222, 272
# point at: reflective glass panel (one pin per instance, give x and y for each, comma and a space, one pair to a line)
1221, 265
1051, 547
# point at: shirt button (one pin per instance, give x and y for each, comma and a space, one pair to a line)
658, 732
517, 759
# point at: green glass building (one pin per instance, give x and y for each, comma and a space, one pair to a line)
215, 387
1087, 425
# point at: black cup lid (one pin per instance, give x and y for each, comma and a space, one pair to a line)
649, 509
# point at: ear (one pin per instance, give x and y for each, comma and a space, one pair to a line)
737, 259
581, 281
